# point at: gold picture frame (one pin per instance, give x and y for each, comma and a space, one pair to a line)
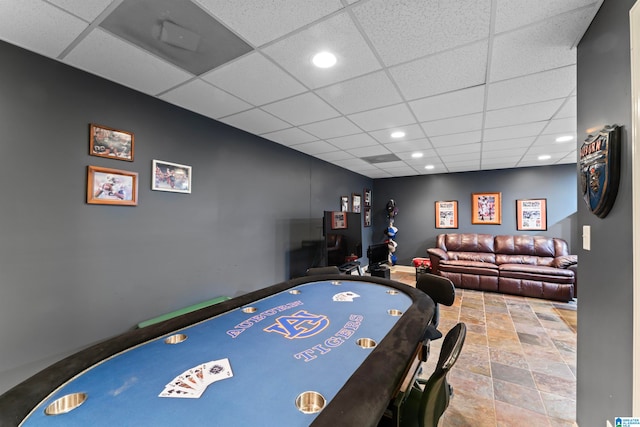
486, 208
106, 186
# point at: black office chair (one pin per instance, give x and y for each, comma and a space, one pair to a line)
428, 399
442, 291
316, 271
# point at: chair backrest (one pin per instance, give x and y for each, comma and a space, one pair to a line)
316, 271
437, 391
440, 289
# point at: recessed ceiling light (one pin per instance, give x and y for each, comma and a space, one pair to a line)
565, 138
429, 167
417, 155
544, 157
398, 134
324, 60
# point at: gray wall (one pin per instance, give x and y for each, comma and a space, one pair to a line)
605, 316
72, 274
416, 197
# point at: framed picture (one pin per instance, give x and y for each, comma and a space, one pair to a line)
531, 214
367, 217
447, 214
338, 220
486, 208
107, 186
111, 143
356, 202
344, 203
367, 197
171, 177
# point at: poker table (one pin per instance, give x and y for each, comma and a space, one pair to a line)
324, 350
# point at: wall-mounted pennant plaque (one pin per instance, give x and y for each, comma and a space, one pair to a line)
600, 170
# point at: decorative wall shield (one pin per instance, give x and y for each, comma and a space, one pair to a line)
600, 170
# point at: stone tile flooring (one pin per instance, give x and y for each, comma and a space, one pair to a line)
518, 363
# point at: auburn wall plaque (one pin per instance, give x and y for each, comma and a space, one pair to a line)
600, 169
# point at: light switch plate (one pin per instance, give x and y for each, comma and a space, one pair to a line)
586, 237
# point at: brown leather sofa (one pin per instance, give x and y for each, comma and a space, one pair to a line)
532, 266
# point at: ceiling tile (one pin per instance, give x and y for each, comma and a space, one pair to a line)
459, 150
383, 118
302, 109
315, 147
104, 55
372, 150
38, 26
512, 155
409, 146
205, 99
451, 104
511, 132
354, 162
289, 136
456, 139
334, 156
87, 10
503, 144
512, 14
453, 125
443, 72
255, 121
565, 126
539, 47
337, 35
411, 132
522, 114
569, 109
553, 84
362, 93
246, 76
420, 27
353, 141
260, 21
406, 156
332, 128
464, 166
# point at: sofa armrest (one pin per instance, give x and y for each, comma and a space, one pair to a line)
435, 256
564, 261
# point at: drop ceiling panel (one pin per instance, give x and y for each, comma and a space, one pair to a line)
409, 146
411, 132
332, 128
205, 99
459, 150
362, 93
315, 147
512, 132
561, 126
443, 72
569, 109
87, 10
522, 114
302, 109
255, 121
246, 79
512, 14
352, 141
543, 86
105, 55
334, 155
338, 35
383, 118
254, 19
370, 151
456, 139
421, 27
289, 136
511, 143
453, 125
453, 104
38, 26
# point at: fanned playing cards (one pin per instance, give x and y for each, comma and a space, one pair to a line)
194, 381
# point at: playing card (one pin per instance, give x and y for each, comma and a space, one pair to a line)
181, 392
216, 370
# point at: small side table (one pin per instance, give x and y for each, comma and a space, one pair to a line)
422, 265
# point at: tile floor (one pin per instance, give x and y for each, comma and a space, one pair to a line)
518, 363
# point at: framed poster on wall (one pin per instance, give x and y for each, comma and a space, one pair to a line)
486, 208
531, 214
447, 214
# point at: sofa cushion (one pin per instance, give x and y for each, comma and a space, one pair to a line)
472, 256
469, 267
564, 261
523, 259
465, 242
526, 245
536, 272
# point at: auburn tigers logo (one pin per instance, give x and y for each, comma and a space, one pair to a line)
301, 324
